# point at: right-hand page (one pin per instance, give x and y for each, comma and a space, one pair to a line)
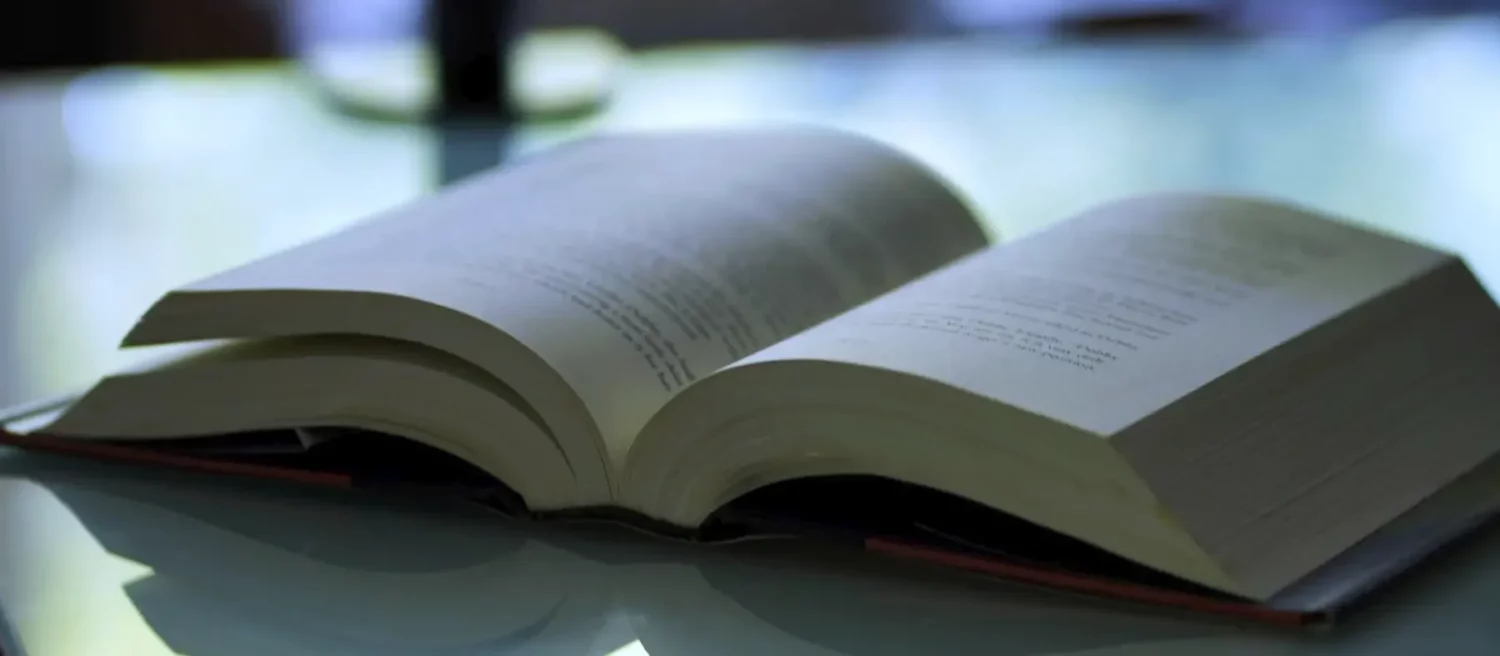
1107, 317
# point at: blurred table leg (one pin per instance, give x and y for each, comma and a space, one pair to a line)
473, 39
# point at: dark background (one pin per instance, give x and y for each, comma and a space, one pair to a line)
76, 33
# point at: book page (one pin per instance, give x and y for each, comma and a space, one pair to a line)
637, 265
1110, 316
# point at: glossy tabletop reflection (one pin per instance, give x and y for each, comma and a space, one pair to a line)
99, 559
118, 184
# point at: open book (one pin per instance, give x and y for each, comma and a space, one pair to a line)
799, 323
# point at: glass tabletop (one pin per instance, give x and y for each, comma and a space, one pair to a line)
100, 559
118, 184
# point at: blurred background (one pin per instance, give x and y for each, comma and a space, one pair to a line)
145, 143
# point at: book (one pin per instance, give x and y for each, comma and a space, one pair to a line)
721, 334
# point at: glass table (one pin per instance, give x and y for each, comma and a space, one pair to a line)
100, 559
118, 184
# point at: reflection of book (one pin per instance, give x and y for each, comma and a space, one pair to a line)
745, 607
240, 570
1186, 400
194, 565
287, 572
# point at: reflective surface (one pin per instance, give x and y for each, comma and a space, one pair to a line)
116, 185
107, 560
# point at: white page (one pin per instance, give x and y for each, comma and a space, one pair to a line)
1108, 317
636, 265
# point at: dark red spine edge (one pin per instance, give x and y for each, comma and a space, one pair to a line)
1096, 587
